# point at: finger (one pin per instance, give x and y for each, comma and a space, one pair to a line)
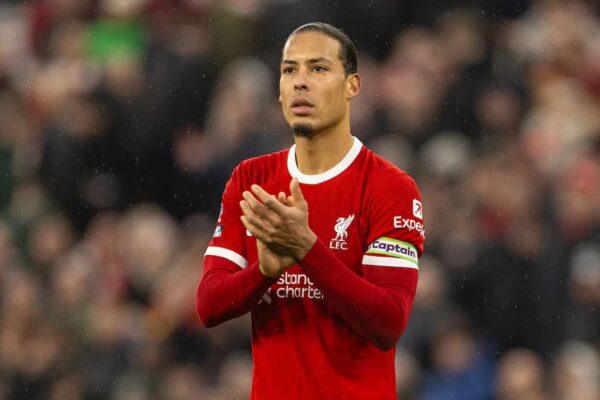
282, 198
259, 208
268, 199
253, 229
290, 201
253, 218
259, 234
296, 192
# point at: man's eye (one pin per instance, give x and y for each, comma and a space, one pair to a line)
288, 70
319, 68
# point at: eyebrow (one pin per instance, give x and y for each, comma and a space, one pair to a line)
310, 60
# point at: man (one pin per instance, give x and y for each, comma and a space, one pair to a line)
329, 272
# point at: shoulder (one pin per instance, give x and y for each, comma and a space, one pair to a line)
385, 176
255, 168
393, 204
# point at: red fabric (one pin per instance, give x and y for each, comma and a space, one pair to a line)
377, 307
226, 292
326, 328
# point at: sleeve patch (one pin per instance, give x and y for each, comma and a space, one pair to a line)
394, 248
409, 225
417, 209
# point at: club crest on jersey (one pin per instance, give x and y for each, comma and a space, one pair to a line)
341, 233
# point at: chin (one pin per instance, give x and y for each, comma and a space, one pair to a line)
302, 129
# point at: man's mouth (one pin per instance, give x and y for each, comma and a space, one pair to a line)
301, 106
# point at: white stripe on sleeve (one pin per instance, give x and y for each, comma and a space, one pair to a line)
228, 254
388, 262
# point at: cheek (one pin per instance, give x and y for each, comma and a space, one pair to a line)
283, 97
284, 86
336, 100
286, 112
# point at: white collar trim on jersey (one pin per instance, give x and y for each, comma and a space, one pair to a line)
324, 176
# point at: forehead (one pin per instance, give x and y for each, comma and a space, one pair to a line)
311, 45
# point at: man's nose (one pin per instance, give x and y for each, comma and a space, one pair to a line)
300, 82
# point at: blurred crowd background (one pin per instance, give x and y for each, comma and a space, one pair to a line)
121, 120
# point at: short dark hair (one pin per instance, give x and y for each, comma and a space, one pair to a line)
347, 49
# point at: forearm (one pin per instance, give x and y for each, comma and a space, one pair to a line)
379, 314
224, 294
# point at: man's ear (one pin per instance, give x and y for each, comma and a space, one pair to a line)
352, 86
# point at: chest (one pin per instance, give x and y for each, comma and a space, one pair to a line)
336, 215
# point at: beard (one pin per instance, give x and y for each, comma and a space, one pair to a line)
302, 130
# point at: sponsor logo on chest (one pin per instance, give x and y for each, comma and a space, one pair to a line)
341, 233
292, 286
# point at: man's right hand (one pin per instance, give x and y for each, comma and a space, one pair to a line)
270, 263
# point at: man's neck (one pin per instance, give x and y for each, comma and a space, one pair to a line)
322, 151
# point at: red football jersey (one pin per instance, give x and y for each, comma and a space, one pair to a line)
326, 328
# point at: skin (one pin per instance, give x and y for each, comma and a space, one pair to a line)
315, 93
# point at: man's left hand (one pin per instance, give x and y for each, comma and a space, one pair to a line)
282, 227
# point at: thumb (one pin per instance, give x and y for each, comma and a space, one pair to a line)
297, 195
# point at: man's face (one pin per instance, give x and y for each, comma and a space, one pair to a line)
313, 88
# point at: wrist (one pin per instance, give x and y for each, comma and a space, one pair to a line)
267, 274
306, 244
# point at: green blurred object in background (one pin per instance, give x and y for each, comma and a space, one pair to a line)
114, 38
